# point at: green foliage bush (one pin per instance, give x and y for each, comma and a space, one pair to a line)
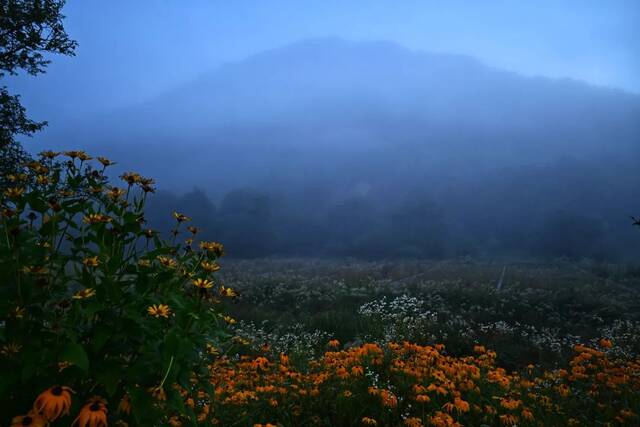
91, 300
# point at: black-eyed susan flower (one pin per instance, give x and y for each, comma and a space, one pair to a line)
115, 193
213, 247
92, 414
209, 267
193, 230
229, 320
461, 405
147, 181
91, 261
212, 350
53, 402
49, 154
96, 219
17, 312
508, 420
158, 393
124, 406
159, 310
35, 269
105, 162
527, 414
144, 263
412, 422
227, 292
14, 192
369, 421
8, 213
31, 419
148, 189
605, 343
131, 177
10, 349
37, 167
202, 283
77, 154
181, 217
84, 293
167, 262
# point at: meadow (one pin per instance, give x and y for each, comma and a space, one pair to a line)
107, 322
535, 316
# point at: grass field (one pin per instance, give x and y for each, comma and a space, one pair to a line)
535, 316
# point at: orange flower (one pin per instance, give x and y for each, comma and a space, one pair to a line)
158, 393
508, 420
49, 154
202, 283
181, 217
227, 292
30, 419
159, 310
210, 267
334, 343
115, 193
96, 219
91, 261
14, 193
125, 405
423, 398
461, 405
92, 414
413, 422
527, 414
388, 399
53, 402
131, 177
216, 248
605, 343
84, 293
105, 162
77, 153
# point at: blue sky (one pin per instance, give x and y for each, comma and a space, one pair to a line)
131, 51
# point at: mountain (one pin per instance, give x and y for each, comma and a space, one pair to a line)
335, 111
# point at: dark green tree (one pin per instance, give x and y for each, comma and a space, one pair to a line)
29, 29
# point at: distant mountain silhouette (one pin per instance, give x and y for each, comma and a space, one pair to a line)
329, 108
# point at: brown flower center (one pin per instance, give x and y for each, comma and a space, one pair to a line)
95, 406
26, 421
56, 391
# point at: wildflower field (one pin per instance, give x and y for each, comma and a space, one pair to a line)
104, 321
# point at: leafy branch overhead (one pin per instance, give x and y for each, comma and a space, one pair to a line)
28, 29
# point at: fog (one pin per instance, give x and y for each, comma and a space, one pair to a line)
408, 132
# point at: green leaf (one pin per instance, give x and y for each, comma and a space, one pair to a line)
74, 353
109, 376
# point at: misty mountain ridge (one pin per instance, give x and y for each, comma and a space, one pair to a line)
330, 146
373, 102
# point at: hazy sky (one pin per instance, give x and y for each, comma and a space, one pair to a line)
132, 50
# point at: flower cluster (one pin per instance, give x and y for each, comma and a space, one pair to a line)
91, 298
413, 385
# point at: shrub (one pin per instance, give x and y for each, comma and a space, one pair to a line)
96, 311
